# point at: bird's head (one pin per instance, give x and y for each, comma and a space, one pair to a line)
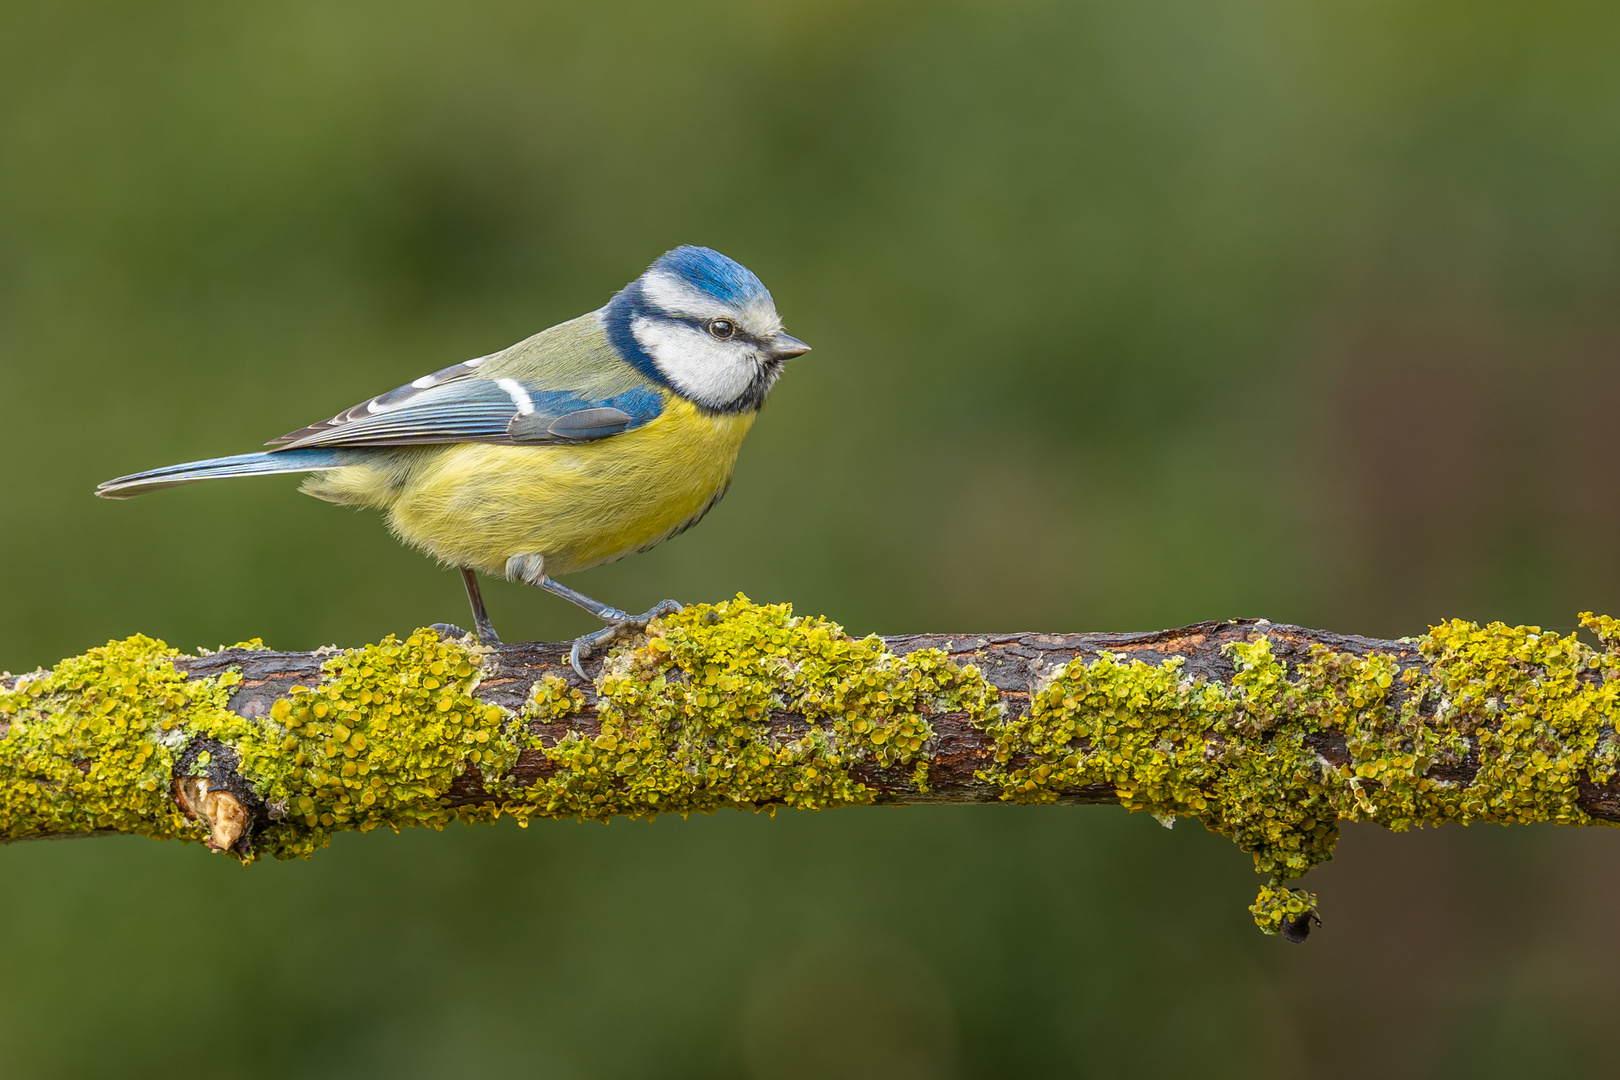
704, 326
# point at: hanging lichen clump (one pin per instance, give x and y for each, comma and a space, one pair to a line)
1501, 724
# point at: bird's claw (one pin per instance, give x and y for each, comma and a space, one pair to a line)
485, 635
582, 650
617, 626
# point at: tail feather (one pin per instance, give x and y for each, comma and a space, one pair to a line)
263, 463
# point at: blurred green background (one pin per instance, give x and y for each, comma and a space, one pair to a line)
1125, 315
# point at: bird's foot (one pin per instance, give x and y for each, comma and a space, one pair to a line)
486, 634
618, 625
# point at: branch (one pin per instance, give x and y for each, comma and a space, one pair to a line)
1267, 734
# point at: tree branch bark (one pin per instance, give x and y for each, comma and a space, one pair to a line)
1269, 734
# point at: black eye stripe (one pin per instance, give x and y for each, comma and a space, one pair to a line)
737, 332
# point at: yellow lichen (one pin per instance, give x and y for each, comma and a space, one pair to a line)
551, 700
685, 717
745, 705
1281, 910
90, 746
683, 725
378, 743
1501, 725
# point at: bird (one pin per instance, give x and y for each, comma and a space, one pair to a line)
598, 438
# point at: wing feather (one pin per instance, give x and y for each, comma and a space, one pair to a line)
566, 384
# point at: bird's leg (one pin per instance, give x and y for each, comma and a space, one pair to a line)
531, 569
486, 631
618, 622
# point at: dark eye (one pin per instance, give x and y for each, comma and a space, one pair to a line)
722, 328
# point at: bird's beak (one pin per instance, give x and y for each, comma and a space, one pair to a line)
786, 347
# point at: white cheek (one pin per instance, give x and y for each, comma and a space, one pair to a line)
713, 372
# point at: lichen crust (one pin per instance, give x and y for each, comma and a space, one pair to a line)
744, 705
98, 743
379, 742
685, 717
1499, 724
90, 746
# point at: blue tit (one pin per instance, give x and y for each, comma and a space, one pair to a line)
598, 438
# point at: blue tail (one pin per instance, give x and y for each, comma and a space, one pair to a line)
260, 464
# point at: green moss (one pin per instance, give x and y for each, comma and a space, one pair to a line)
685, 717
1501, 727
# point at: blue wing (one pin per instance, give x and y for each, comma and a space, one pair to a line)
458, 404
565, 384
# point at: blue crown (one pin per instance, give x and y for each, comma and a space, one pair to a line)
711, 272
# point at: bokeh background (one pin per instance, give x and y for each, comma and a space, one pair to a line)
1125, 315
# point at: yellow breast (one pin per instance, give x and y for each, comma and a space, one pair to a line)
579, 505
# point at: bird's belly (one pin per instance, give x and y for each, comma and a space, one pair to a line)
578, 505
